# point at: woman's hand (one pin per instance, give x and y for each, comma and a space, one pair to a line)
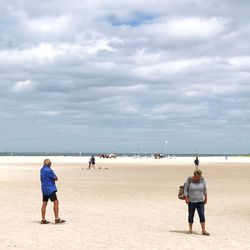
186, 199
205, 200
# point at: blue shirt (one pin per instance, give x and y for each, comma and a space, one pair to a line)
47, 177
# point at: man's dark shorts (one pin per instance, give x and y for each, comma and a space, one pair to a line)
52, 197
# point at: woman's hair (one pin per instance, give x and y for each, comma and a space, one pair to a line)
198, 172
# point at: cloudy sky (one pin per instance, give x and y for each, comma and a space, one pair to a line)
125, 76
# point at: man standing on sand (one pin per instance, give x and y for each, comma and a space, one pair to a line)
48, 179
196, 162
92, 160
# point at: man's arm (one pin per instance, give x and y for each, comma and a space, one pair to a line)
52, 175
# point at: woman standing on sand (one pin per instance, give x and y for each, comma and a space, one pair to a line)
195, 192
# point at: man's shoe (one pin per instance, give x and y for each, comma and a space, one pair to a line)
59, 221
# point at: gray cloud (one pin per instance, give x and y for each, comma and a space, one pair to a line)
124, 75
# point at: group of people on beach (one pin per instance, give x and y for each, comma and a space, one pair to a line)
195, 194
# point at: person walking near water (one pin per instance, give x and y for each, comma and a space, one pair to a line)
48, 179
196, 162
195, 192
92, 160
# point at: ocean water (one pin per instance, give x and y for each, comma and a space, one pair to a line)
5, 153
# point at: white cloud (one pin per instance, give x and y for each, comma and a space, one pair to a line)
49, 25
142, 56
194, 28
23, 86
44, 51
175, 108
49, 113
162, 69
31, 55
240, 62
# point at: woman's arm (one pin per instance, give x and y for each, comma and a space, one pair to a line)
205, 200
205, 192
186, 188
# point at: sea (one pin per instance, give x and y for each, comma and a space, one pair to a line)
118, 154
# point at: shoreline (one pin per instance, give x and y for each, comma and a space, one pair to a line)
126, 160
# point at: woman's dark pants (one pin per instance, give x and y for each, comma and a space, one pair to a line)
201, 211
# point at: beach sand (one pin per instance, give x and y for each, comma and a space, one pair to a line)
128, 204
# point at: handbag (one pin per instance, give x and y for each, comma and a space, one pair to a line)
181, 195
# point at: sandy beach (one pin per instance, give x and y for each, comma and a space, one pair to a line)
129, 203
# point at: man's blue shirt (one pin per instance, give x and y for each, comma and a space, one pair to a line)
47, 177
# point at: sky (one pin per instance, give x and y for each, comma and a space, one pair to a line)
125, 76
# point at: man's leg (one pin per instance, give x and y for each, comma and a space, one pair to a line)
43, 210
56, 209
54, 199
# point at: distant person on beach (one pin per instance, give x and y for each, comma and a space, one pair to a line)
195, 192
48, 179
196, 162
92, 160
